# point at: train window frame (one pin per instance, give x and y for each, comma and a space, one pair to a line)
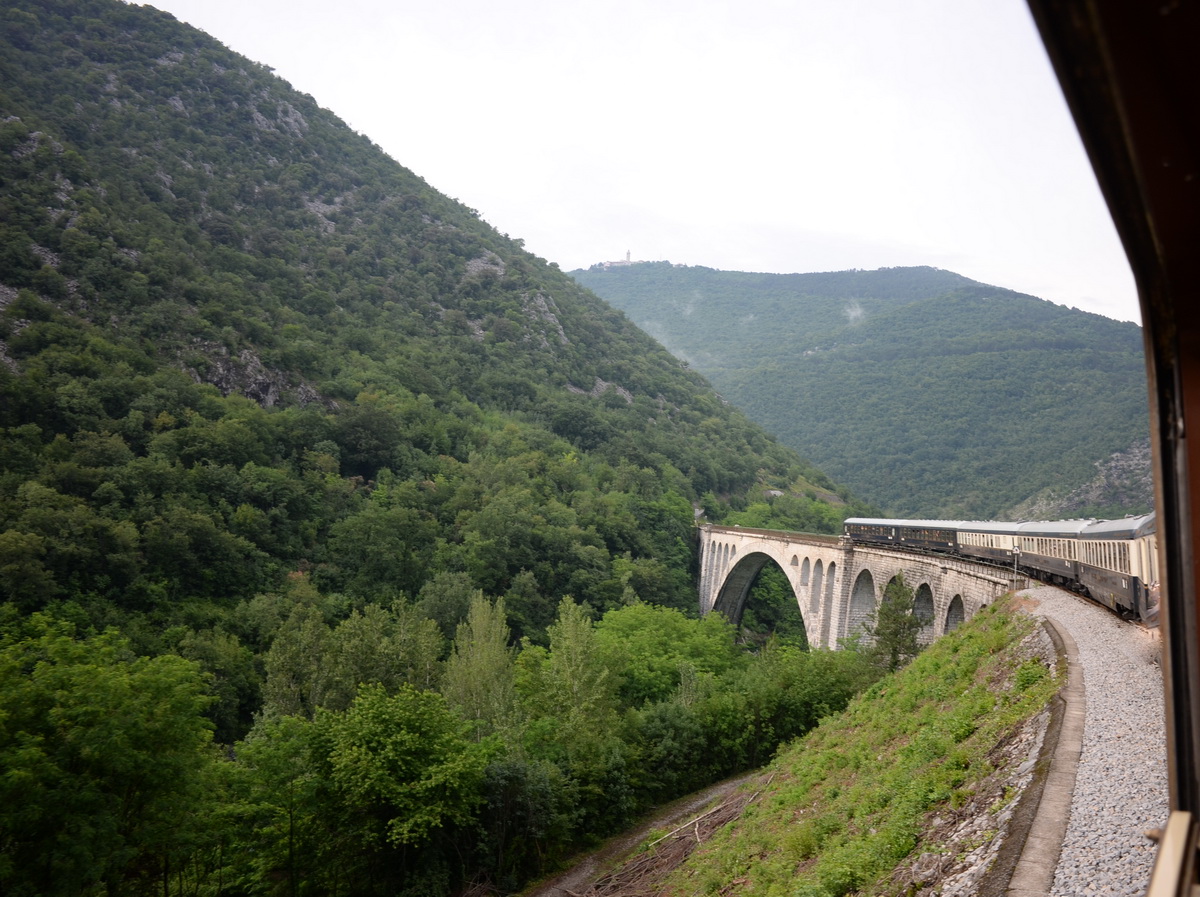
1131, 78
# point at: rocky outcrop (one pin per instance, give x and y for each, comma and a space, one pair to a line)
488, 263
600, 388
245, 374
541, 312
1124, 479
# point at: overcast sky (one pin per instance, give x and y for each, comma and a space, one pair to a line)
747, 135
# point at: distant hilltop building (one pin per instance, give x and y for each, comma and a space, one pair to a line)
622, 263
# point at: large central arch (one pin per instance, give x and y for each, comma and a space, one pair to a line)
731, 600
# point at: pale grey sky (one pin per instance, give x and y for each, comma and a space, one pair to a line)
750, 135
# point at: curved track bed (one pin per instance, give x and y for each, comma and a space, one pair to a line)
1120, 783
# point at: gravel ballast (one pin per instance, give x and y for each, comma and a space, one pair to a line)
1121, 782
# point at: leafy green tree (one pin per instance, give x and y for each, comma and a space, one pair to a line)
648, 647
194, 552
479, 681
404, 762
569, 694
368, 433
529, 610
24, 579
419, 644
527, 818
295, 665
282, 812
234, 681
258, 619
771, 610
382, 549
579, 680
446, 599
311, 665
105, 758
895, 631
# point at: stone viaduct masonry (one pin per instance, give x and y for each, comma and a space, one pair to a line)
838, 584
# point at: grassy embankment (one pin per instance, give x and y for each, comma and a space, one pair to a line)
851, 800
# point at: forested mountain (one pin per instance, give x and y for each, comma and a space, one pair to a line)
928, 393
232, 327
300, 456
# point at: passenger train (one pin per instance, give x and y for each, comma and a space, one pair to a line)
1114, 562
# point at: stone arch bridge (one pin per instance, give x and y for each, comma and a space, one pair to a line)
837, 583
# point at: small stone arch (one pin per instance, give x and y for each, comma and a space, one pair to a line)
923, 611
818, 578
955, 614
795, 561
862, 604
827, 617
805, 570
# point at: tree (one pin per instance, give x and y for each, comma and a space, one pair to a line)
311, 666
105, 757
369, 646
382, 549
570, 694
648, 646
771, 609
403, 760
479, 679
295, 663
895, 629
580, 681
531, 611
235, 682
419, 643
446, 599
282, 816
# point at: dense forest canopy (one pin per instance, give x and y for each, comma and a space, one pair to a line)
928, 393
300, 457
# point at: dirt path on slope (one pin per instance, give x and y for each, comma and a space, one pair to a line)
593, 866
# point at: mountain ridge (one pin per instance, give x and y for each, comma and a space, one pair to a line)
906, 389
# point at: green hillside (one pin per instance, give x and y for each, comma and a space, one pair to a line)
235, 334
301, 459
926, 392
923, 764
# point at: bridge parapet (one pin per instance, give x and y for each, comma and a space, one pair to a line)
838, 584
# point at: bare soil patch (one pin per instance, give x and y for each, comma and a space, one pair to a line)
612, 872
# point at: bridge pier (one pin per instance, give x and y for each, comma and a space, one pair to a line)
838, 584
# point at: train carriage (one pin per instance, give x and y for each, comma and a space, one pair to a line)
915, 535
1047, 548
988, 540
1118, 563
870, 529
